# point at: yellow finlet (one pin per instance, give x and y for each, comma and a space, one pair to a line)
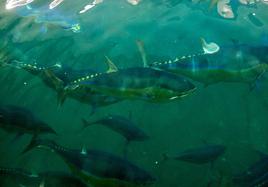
111, 66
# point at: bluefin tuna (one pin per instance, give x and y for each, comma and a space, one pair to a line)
211, 68
138, 83
202, 155
46, 16
98, 167
58, 76
254, 176
14, 177
123, 126
21, 120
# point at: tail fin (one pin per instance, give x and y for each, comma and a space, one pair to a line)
13, 63
61, 97
37, 142
58, 85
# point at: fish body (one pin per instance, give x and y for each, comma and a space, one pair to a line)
47, 16
58, 179
138, 83
14, 177
58, 76
255, 174
97, 163
215, 68
201, 155
21, 120
123, 126
18, 177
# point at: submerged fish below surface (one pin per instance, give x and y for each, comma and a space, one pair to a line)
200, 155
58, 76
14, 177
21, 120
97, 163
254, 176
121, 125
48, 16
138, 83
211, 68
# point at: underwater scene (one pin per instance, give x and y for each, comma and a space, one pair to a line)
133, 93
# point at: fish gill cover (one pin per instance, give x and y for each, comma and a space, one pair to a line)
133, 93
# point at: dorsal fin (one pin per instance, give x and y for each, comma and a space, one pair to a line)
111, 66
209, 48
140, 46
84, 150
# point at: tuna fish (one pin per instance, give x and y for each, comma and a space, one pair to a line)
213, 68
137, 83
97, 167
256, 175
202, 155
123, 126
58, 76
20, 120
14, 177
45, 16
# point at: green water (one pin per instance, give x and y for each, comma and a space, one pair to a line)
229, 114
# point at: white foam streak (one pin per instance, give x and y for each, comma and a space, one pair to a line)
10, 4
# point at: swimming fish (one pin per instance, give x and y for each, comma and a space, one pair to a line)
58, 76
19, 177
138, 83
254, 176
213, 68
47, 17
202, 155
22, 121
121, 125
96, 163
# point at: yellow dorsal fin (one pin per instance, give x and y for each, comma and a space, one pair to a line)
140, 46
111, 66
